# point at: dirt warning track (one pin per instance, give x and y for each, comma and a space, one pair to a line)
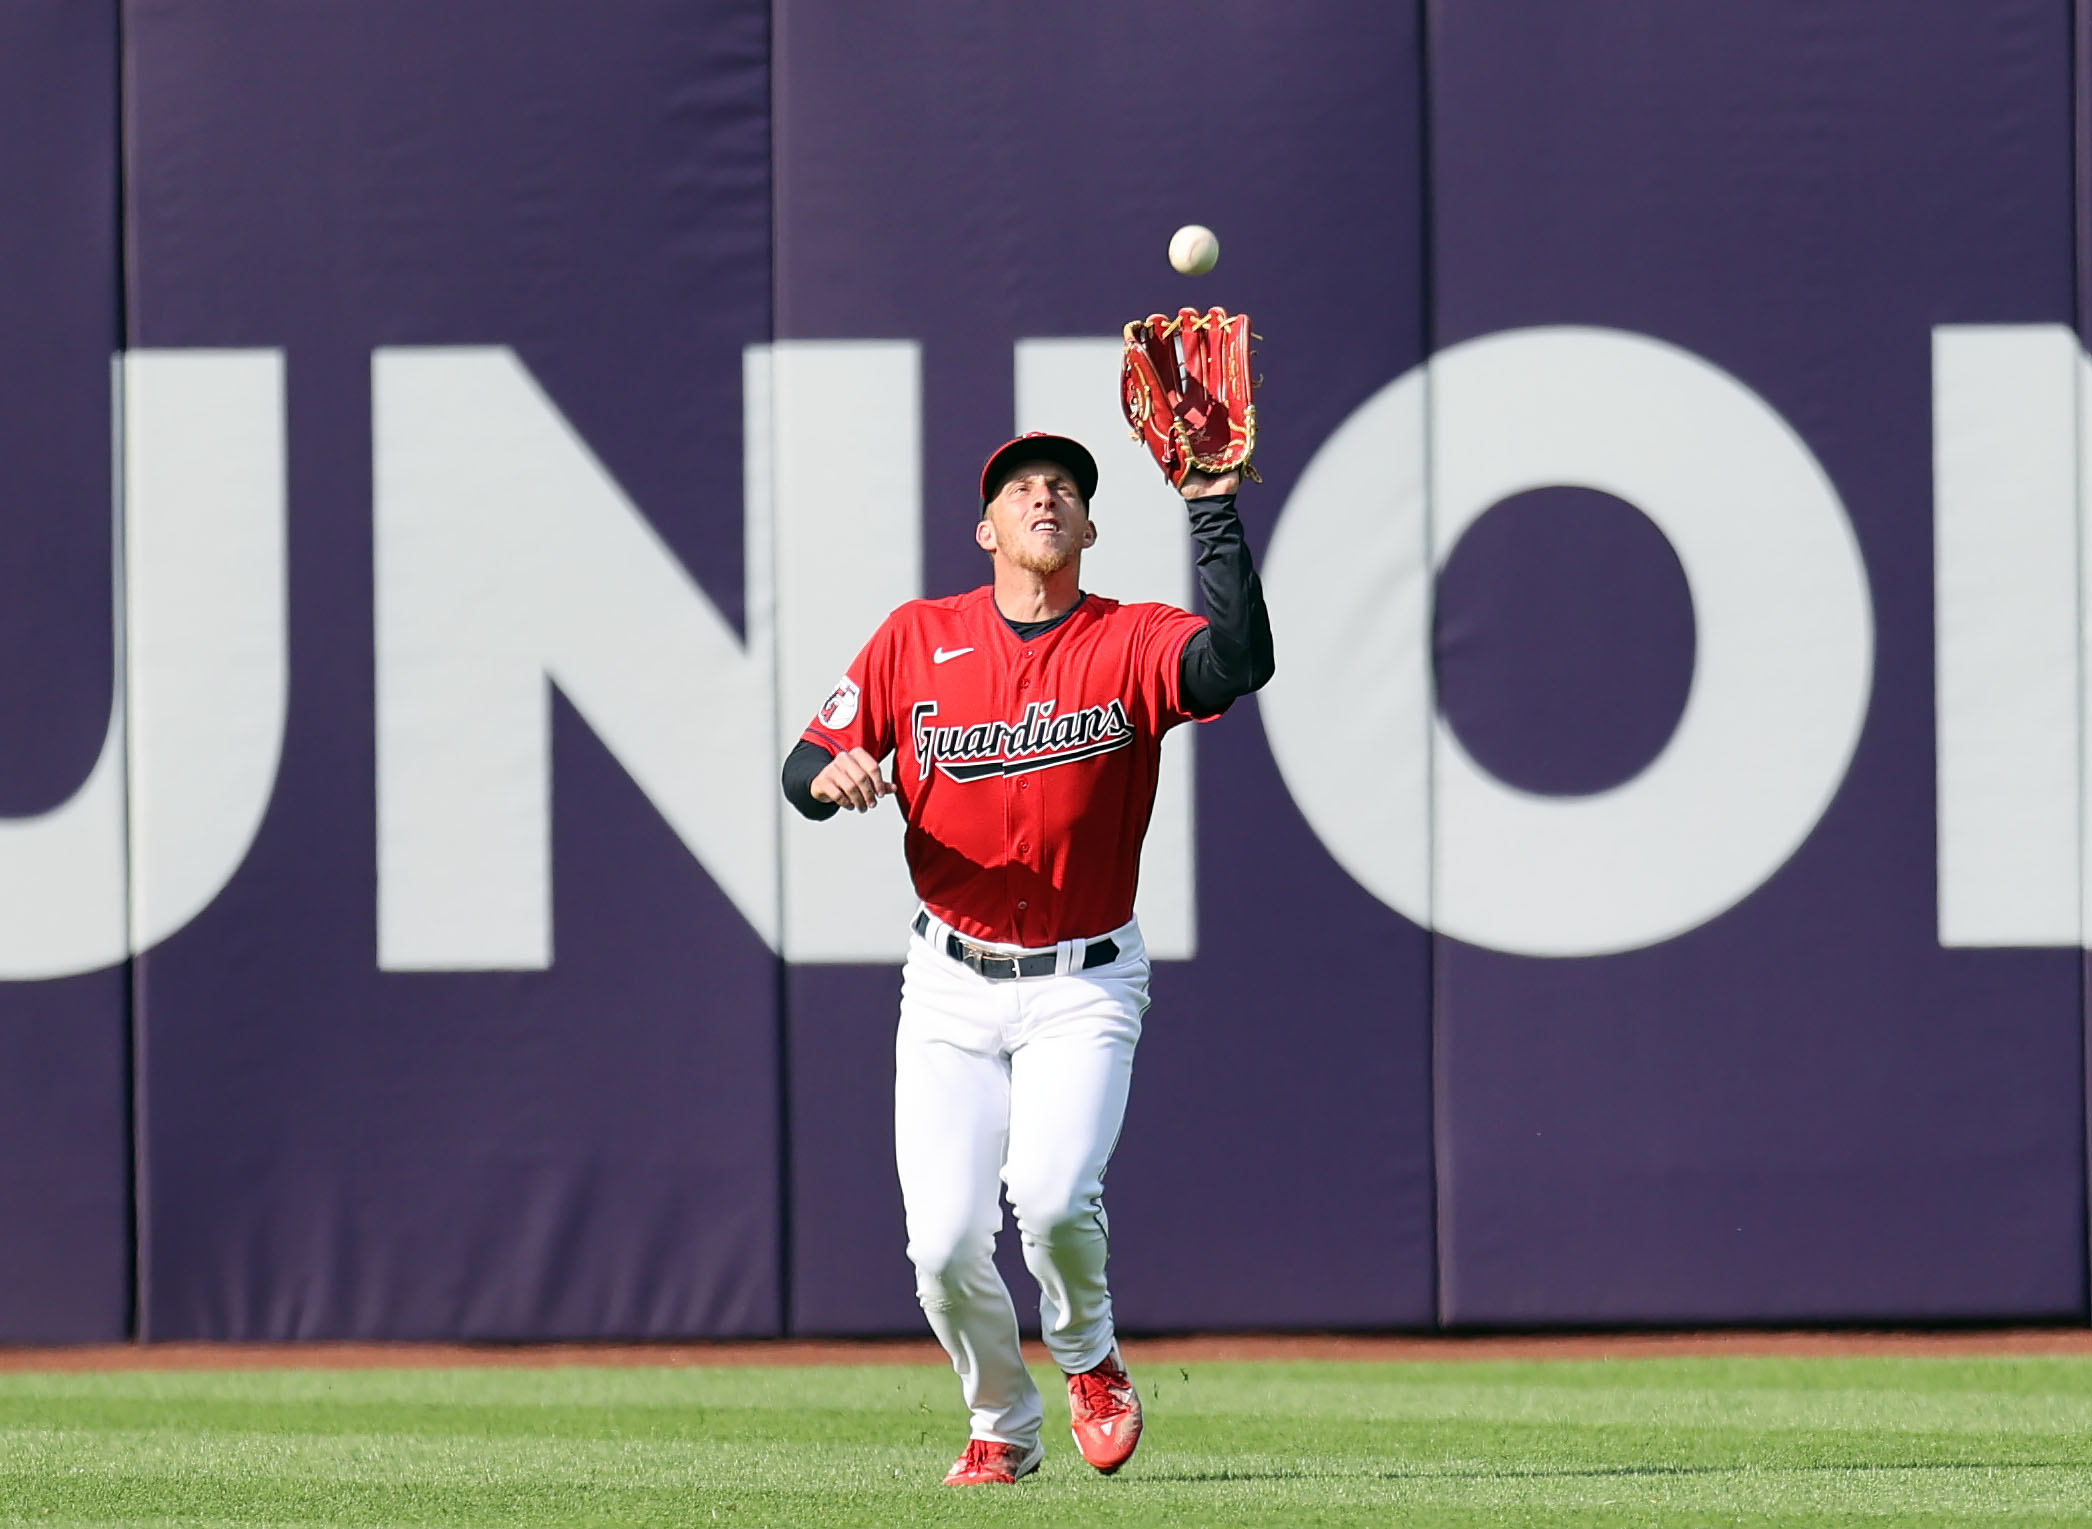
1156, 1350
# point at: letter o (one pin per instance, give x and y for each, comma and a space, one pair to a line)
1781, 679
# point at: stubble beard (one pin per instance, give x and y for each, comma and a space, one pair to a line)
1044, 564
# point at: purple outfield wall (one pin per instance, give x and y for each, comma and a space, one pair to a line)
1652, 890
1805, 1109
65, 1149
2081, 229
1275, 1165
336, 1151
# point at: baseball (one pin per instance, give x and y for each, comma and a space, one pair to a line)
1193, 250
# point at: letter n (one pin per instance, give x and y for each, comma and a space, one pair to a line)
509, 561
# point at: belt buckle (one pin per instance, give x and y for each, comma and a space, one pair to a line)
972, 955
979, 958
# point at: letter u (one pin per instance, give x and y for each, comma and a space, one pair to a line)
196, 720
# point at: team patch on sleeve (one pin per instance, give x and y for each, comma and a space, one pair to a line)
840, 709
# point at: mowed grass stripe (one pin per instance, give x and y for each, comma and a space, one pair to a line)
1753, 1441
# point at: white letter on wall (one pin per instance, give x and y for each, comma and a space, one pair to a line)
1348, 579
508, 560
1143, 552
62, 876
2005, 402
202, 586
207, 624
1780, 684
835, 445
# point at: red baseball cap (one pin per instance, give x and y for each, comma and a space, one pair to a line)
1038, 446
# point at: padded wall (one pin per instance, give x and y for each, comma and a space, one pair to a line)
975, 179
1652, 889
591, 1149
65, 1256
2081, 228
1803, 1108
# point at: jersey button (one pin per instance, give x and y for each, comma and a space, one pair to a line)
1022, 906
1024, 785
1023, 849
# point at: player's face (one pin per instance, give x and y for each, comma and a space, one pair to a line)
1037, 519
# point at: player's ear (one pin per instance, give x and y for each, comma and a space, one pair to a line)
984, 534
1089, 533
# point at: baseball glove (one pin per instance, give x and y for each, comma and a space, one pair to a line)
1185, 386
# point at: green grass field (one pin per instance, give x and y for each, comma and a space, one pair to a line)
1641, 1441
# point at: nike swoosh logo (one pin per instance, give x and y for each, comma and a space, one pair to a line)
946, 655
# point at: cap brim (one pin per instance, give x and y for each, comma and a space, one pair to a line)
1057, 449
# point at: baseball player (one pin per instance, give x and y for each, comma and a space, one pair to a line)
1025, 723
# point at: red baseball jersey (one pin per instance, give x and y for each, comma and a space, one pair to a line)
1026, 768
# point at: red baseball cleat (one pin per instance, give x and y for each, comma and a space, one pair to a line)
1104, 1413
991, 1462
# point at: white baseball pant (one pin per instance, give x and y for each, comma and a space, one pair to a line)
1020, 1082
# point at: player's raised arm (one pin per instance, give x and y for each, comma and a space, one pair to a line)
1186, 387
1232, 655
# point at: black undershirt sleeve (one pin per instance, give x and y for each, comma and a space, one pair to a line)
801, 766
1232, 655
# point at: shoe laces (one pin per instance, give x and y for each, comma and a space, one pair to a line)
1105, 1390
983, 1452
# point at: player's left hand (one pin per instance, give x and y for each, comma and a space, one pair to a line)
1198, 485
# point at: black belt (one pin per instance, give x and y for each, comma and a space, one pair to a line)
1000, 968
